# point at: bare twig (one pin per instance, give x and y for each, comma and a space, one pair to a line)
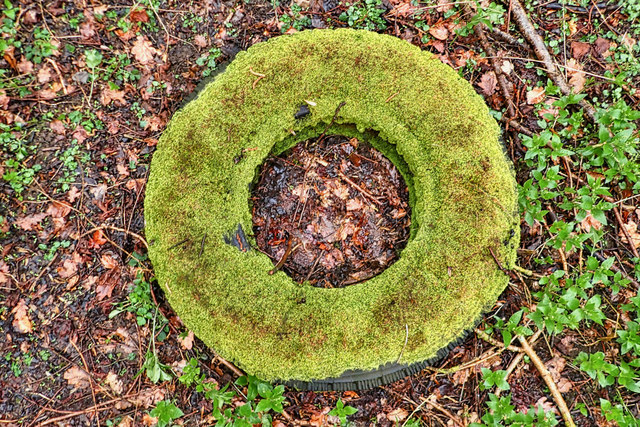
516, 360
486, 337
122, 230
542, 53
616, 212
548, 379
480, 29
229, 365
260, 77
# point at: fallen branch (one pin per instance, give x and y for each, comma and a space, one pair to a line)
548, 379
480, 29
516, 360
529, 32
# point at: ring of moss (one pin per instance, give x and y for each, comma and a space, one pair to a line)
406, 103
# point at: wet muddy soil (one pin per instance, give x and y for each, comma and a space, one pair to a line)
332, 211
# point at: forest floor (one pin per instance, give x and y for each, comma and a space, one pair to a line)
86, 338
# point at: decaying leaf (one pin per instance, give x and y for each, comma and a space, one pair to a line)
488, 83
21, 322
77, 377
187, 342
143, 50
114, 383
535, 95
397, 415
632, 229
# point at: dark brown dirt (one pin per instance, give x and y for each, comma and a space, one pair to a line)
333, 211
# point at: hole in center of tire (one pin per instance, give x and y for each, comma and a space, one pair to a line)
332, 211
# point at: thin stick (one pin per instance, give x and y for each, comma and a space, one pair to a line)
360, 189
516, 360
457, 421
542, 53
480, 29
406, 339
548, 379
86, 369
55, 67
616, 212
260, 77
484, 336
290, 249
122, 230
229, 365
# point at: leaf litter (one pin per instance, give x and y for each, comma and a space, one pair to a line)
332, 211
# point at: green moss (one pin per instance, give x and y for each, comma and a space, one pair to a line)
422, 115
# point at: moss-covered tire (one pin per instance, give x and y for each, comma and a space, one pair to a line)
423, 116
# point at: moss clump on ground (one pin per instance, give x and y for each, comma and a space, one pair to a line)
409, 105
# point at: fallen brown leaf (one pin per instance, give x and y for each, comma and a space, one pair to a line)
143, 50
108, 95
4, 272
21, 322
200, 41
77, 378
579, 49
439, 31
535, 95
632, 229
397, 415
488, 83
28, 222
114, 383
187, 342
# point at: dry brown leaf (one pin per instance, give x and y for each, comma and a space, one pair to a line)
632, 229
4, 272
67, 269
108, 261
58, 127
488, 83
439, 31
58, 209
139, 15
28, 222
114, 383
507, 67
4, 100
461, 376
200, 41
148, 397
25, 66
602, 46
535, 95
397, 415
108, 95
187, 342
143, 50
44, 75
577, 77
21, 322
589, 221
73, 194
77, 378
99, 191
579, 49
403, 10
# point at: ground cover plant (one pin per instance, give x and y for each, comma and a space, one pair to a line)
86, 90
